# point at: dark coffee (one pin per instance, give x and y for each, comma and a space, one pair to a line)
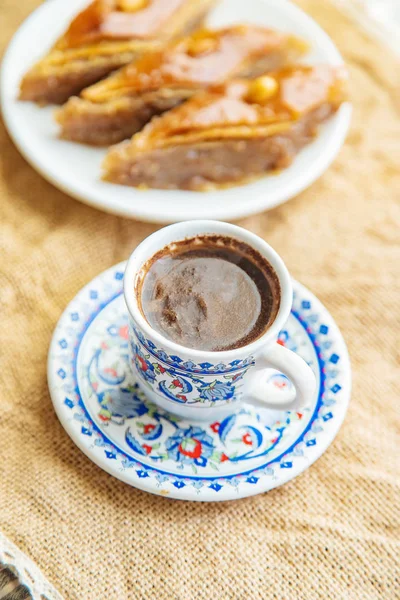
209, 293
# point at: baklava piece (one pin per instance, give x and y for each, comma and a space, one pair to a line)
119, 106
230, 134
105, 36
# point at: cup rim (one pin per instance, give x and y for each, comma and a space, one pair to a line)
198, 227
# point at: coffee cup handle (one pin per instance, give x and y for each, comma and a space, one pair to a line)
290, 364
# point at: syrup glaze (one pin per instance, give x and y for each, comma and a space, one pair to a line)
106, 20
299, 90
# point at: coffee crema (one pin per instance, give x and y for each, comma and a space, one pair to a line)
209, 292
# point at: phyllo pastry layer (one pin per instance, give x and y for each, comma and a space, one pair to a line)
231, 133
105, 36
119, 106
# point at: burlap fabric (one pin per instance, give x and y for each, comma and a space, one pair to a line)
333, 532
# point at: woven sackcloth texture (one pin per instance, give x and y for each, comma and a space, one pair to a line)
332, 533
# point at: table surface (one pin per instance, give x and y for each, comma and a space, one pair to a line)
331, 533
380, 18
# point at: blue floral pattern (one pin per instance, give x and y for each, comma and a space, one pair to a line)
184, 381
190, 446
144, 366
204, 368
100, 403
216, 390
160, 436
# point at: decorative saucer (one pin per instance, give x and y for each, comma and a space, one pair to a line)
250, 451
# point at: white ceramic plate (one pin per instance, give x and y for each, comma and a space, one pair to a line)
75, 168
250, 451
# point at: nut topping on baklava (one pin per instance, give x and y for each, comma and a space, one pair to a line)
105, 36
230, 133
117, 107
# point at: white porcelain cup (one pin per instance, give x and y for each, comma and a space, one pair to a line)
198, 384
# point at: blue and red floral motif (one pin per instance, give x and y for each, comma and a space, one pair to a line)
183, 385
107, 375
204, 368
232, 439
237, 438
144, 367
120, 404
217, 390
280, 381
150, 431
119, 330
78, 399
190, 446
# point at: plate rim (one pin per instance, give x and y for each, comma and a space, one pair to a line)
135, 207
149, 485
